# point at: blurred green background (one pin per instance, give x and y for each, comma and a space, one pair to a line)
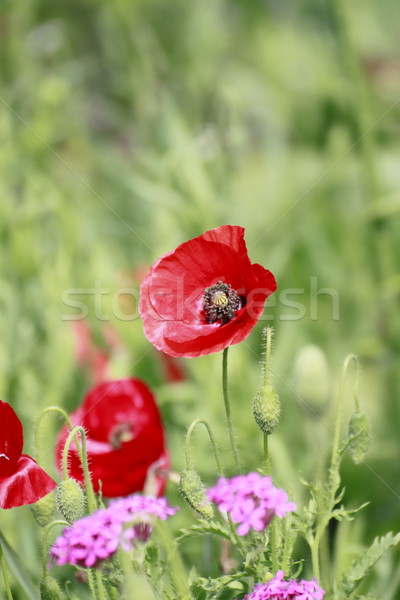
128, 127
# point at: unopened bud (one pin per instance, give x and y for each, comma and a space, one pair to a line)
360, 434
312, 376
267, 409
43, 509
50, 590
70, 500
192, 490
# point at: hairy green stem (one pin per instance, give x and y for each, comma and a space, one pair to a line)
94, 574
268, 332
177, 570
46, 411
272, 526
228, 408
45, 542
329, 498
91, 498
188, 458
5, 574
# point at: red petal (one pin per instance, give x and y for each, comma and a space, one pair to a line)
122, 471
26, 485
11, 439
171, 294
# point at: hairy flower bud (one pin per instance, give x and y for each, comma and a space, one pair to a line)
267, 409
70, 500
192, 490
312, 376
50, 590
43, 509
360, 432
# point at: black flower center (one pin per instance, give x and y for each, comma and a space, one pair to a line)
121, 433
220, 302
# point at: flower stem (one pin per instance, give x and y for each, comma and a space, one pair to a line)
190, 430
274, 553
228, 408
5, 574
177, 570
45, 412
92, 505
334, 477
45, 538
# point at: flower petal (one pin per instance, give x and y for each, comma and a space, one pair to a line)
11, 439
171, 295
26, 485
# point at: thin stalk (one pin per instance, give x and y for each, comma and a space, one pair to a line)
220, 469
188, 458
91, 498
177, 570
228, 408
45, 542
272, 526
333, 475
45, 412
5, 574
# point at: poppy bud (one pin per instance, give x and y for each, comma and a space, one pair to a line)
267, 409
50, 590
360, 431
70, 500
192, 490
312, 376
43, 509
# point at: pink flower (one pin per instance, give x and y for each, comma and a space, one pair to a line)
251, 500
95, 538
278, 589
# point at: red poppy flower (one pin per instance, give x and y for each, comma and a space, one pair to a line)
125, 438
205, 295
22, 481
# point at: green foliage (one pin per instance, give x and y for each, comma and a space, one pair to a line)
202, 527
129, 127
221, 588
17, 568
362, 565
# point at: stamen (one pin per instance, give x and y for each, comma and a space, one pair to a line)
220, 302
120, 434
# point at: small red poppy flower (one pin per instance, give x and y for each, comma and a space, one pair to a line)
22, 481
125, 439
205, 295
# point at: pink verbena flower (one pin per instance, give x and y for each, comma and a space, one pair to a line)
251, 500
278, 589
96, 537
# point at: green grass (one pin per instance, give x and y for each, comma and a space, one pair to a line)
128, 127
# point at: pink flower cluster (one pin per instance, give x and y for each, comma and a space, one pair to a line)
278, 589
96, 537
251, 500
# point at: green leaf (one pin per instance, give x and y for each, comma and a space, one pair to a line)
206, 527
222, 588
361, 566
16, 567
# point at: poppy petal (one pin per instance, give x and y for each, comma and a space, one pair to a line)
26, 485
11, 439
171, 296
125, 437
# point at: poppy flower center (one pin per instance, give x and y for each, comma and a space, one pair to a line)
120, 434
220, 302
